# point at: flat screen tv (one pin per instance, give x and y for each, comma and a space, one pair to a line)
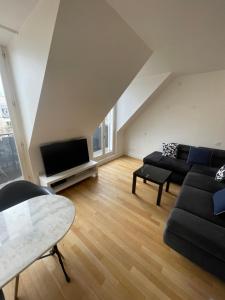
61, 156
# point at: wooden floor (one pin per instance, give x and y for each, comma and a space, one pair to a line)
115, 249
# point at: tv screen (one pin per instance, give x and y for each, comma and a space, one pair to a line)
61, 156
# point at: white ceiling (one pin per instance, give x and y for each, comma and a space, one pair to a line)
189, 35
13, 14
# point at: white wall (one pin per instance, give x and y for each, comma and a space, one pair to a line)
28, 53
153, 76
140, 89
93, 57
189, 110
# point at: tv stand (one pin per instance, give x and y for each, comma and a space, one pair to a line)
69, 177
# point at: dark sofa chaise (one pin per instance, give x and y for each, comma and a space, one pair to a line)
178, 165
192, 228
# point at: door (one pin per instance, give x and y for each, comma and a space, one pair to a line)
103, 138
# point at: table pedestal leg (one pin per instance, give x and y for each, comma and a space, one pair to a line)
159, 194
134, 183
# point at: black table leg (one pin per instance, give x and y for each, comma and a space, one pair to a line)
61, 262
134, 183
56, 251
144, 180
167, 186
159, 194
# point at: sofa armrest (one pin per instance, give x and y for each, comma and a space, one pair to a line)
154, 157
197, 231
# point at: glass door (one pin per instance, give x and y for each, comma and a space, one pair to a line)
103, 137
108, 133
97, 141
9, 161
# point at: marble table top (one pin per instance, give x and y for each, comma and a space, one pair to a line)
30, 229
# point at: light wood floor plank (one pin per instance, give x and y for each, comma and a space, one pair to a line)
115, 249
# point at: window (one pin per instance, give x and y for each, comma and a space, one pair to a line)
9, 160
103, 137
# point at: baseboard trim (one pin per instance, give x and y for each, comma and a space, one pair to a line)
133, 155
108, 159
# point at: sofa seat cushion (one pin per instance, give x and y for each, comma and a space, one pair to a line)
153, 158
203, 182
199, 203
169, 163
201, 233
210, 171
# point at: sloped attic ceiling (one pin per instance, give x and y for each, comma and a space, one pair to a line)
13, 13
186, 35
94, 55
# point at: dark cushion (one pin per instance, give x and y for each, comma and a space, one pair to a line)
206, 170
199, 156
183, 151
203, 234
197, 255
219, 202
199, 203
153, 158
218, 158
203, 182
172, 164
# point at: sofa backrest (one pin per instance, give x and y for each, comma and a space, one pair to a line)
218, 157
217, 160
183, 151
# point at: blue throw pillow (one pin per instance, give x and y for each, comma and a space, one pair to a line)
199, 156
219, 202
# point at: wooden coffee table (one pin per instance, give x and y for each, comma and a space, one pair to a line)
155, 175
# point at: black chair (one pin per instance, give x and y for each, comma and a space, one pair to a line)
18, 191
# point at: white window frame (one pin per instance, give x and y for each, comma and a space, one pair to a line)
104, 154
15, 117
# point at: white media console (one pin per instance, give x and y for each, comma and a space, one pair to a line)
69, 177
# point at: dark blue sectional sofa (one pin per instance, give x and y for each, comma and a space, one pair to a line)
192, 228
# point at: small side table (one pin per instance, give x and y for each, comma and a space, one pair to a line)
155, 175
